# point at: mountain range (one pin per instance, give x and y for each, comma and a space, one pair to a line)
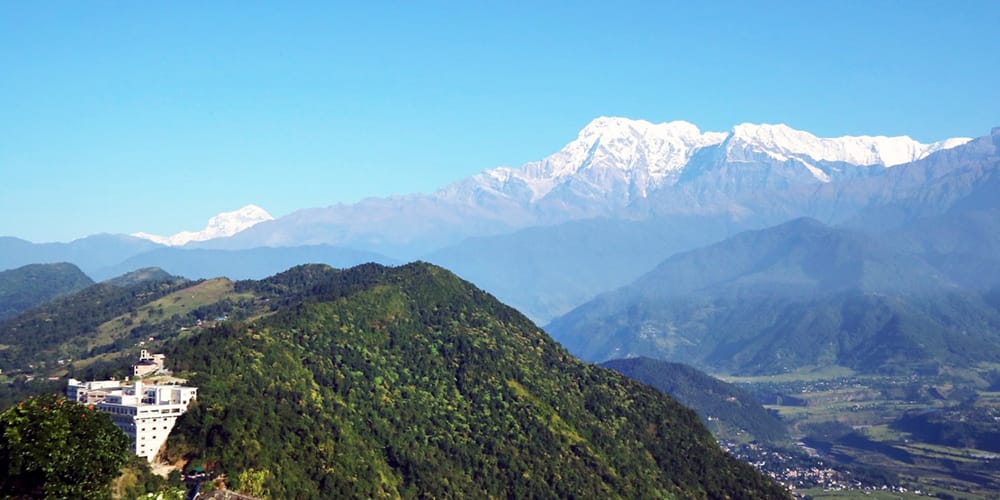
613, 202
615, 167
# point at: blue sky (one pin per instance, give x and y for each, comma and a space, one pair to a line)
123, 117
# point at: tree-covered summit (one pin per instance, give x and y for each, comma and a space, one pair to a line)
409, 382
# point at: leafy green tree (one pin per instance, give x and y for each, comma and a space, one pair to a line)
54, 448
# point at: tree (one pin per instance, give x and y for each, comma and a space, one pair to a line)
54, 448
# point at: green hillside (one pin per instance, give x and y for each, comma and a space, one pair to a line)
408, 382
26, 287
731, 412
66, 327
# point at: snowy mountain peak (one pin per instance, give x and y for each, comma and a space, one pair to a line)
782, 142
636, 153
619, 159
636, 147
613, 127
223, 224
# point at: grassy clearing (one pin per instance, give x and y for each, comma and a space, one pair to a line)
790, 412
882, 433
969, 455
179, 303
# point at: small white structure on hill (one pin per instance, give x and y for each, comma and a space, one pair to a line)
148, 363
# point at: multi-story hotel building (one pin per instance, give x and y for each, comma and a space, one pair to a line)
146, 413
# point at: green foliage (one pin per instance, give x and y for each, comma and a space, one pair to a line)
252, 483
382, 382
736, 409
137, 480
56, 448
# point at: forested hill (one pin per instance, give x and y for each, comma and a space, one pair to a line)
66, 326
736, 412
35, 284
408, 382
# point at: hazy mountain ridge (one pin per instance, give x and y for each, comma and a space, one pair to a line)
798, 294
89, 254
253, 263
546, 271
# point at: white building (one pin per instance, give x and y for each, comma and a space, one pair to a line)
148, 363
146, 413
90, 392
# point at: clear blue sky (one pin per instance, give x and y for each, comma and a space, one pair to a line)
142, 116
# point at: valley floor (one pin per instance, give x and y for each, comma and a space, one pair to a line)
874, 436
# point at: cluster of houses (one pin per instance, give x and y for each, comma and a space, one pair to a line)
145, 412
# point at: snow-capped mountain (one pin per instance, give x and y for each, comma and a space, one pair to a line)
749, 142
605, 152
617, 168
222, 225
618, 160
782, 142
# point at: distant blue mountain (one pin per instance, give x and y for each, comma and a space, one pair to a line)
254, 263
546, 271
89, 254
795, 295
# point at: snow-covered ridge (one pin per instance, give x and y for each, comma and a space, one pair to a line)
782, 142
223, 224
654, 154
634, 147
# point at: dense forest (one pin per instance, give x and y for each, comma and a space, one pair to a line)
376, 382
